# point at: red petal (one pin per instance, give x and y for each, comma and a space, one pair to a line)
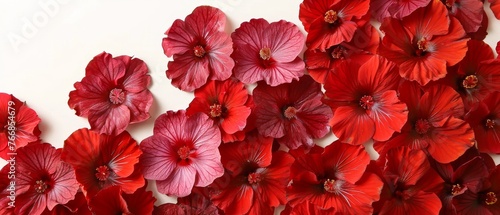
419, 203
109, 201
140, 202
389, 115
352, 125
347, 161
469, 13
235, 199
456, 45
439, 102
107, 119
495, 7
471, 174
187, 72
451, 140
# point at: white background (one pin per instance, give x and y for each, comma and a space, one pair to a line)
44, 50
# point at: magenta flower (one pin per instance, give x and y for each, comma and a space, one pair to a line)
182, 153
200, 47
268, 52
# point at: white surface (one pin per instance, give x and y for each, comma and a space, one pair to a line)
43, 52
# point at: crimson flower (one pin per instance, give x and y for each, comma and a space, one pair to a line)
381, 9
43, 180
226, 103
334, 178
182, 153
18, 125
434, 123
77, 206
102, 161
113, 93
257, 177
321, 63
112, 200
267, 51
364, 101
468, 12
485, 121
424, 43
331, 22
293, 113
200, 48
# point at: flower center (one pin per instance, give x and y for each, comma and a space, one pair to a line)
102, 173
331, 16
338, 52
116, 96
490, 123
184, 152
199, 51
254, 178
290, 112
491, 198
423, 46
448, 3
456, 189
215, 110
402, 194
265, 53
329, 185
41, 186
422, 126
366, 102
470, 81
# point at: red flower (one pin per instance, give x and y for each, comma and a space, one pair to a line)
200, 47
257, 177
424, 43
321, 63
102, 161
468, 12
434, 123
7, 191
182, 153
113, 93
293, 113
495, 7
365, 102
410, 183
267, 51
381, 9
18, 125
334, 178
306, 208
331, 22
113, 200
77, 206
42, 179
226, 103
485, 121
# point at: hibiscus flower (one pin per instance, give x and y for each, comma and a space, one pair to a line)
331, 22
381, 9
42, 179
103, 160
257, 177
113, 93
424, 43
226, 103
113, 200
468, 12
334, 178
321, 63
434, 123
182, 153
18, 125
200, 48
77, 206
267, 51
364, 101
485, 121
293, 113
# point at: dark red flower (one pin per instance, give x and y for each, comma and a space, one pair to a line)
267, 51
102, 161
182, 153
77, 206
331, 22
112, 200
334, 178
365, 102
434, 123
113, 93
320, 63
424, 43
257, 177
226, 103
468, 12
293, 113
381, 9
176, 209
18, 125
482, 32
485, 121
200, 47
42, 179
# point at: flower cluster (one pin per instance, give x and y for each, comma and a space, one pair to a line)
426, 93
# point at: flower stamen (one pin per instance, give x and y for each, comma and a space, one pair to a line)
254, 178
329, 185
117, 96
331, 16
199, 51
290, 112
422, 126
366, 102
338, 52
265, 53
184, 152
102, 173
41, 186
470, 81
490, 123
215, 110
491, 198
456, 189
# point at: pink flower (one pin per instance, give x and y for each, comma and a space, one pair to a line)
182, 153
200, 47
113, 93
268, 52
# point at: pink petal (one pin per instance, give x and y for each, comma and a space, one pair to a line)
284, 39
136, 76
188, 72
208, 166
108, 119
180, 183
219, 47
158, 159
